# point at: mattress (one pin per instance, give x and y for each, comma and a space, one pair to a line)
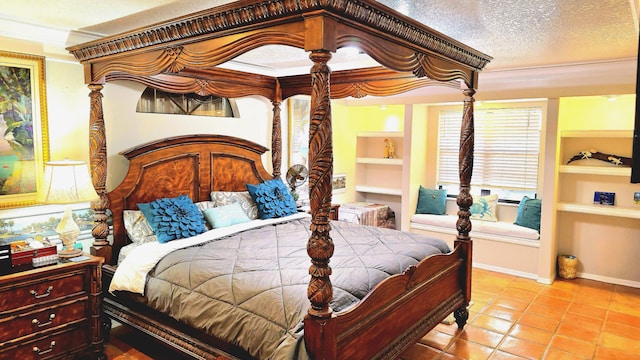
249, 287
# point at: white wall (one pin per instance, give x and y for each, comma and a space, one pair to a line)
126, 128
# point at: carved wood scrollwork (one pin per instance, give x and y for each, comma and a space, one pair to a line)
427, 67
276, 140
175, 65
98, 164
320, 245
177, 58
465, 200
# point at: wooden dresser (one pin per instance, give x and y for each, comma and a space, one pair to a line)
52, 312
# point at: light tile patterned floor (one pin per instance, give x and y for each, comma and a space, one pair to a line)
510, 318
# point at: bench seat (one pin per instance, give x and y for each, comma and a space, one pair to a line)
498, 246
479, 228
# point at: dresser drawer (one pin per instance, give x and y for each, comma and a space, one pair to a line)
14, 327
41, 291
58, 345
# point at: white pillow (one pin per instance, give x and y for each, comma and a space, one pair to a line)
222, 198
137, 227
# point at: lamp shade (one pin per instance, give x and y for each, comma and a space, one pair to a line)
66, 182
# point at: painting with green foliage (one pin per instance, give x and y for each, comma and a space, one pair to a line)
21, 147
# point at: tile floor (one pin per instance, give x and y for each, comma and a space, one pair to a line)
517, 318
510, 318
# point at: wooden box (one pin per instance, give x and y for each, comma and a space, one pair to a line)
23, 254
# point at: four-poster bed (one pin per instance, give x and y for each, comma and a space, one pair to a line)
181, 55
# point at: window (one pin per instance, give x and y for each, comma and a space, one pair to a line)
162, 102
506, 154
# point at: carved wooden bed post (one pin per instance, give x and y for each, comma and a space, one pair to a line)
276, 134
318, 324
465, 200
98, 163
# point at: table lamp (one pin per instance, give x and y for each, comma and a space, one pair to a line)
67, 182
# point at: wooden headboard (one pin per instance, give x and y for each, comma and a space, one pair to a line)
193, 165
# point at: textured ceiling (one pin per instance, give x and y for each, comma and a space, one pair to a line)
517, 33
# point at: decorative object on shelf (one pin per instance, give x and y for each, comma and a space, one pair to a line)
636, 198
604, 198
567, 265
296, 176
389, 149
595, 154
67, 182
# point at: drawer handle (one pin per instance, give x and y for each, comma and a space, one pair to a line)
37, 322
47, 293
42, 352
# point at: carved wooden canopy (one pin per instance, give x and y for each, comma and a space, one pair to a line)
181, 54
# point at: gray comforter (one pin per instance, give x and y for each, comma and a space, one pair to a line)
250, 288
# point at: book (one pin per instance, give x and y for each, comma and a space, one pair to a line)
604, 198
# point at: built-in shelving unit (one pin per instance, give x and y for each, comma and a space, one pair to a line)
376, 174
580, 179
588, 230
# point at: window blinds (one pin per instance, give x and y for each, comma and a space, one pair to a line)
506, 154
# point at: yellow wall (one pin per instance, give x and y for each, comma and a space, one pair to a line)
347, 122
597, 113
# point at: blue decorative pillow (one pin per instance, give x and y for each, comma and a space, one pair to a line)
273, 199
431, 201
173, 218
484, 208
225, 215
529, 212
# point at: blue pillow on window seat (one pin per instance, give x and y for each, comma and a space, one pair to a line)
431, 201
529, 212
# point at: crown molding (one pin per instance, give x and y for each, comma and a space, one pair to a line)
46, 35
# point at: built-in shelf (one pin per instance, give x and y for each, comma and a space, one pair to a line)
617, 211
379, 161
597, 133
381, 134
378, 190
375, 174
595, 170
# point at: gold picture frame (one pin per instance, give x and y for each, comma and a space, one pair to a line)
299, 130
24, 147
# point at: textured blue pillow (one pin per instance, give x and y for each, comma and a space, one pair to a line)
529, 212
431, 201
173, 218
225, 215
273, 199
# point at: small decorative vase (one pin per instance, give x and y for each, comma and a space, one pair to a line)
567, 266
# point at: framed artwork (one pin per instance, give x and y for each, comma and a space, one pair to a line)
339, 183
24, 147
299, 107
35, 222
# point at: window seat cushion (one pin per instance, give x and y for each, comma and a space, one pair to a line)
479, 227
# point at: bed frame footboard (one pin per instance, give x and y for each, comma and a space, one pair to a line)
397, 313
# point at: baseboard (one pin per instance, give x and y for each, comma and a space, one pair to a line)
610, 280
506, 271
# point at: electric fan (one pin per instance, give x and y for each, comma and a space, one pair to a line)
296, 176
